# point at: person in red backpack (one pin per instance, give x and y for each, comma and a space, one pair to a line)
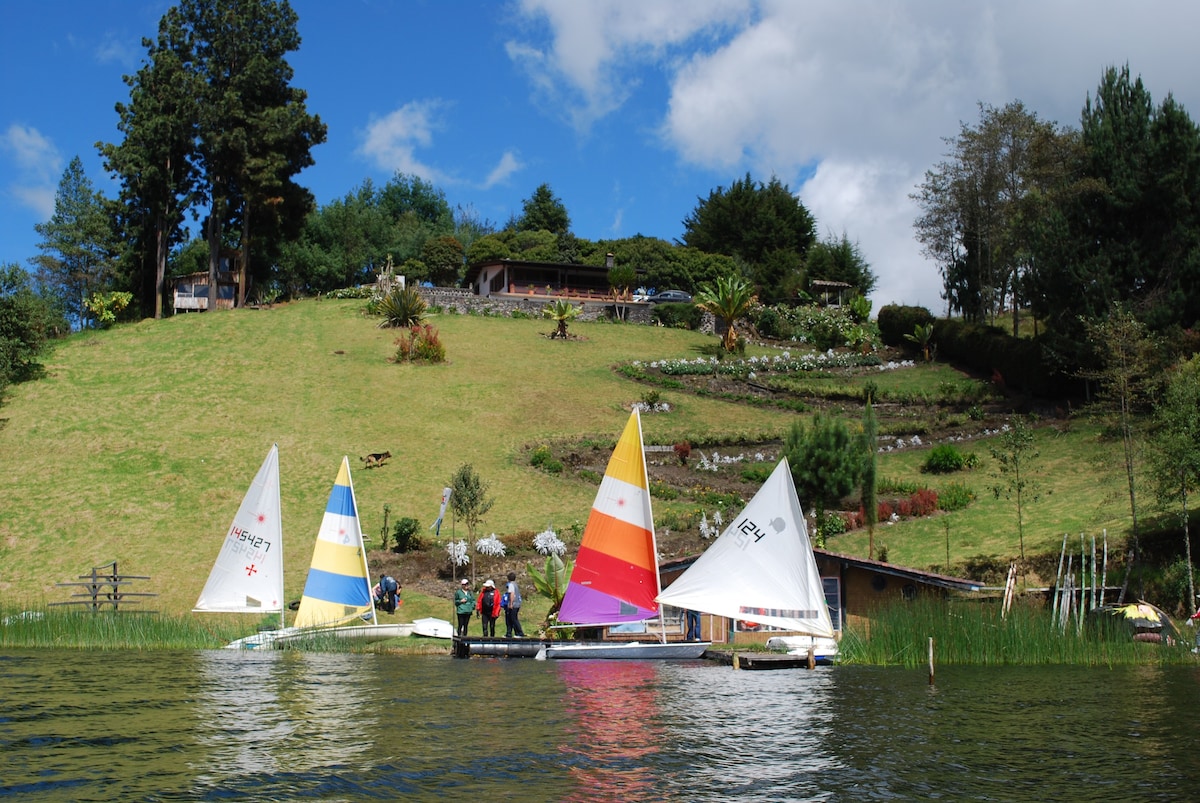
488, 605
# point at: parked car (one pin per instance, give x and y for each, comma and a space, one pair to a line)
670, 296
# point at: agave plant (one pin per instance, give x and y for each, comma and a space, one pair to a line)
403, 307
561, 312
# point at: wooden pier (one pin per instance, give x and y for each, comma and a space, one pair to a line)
466, 646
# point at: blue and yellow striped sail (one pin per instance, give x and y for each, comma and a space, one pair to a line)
338, 588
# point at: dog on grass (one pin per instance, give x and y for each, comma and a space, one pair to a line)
376, 459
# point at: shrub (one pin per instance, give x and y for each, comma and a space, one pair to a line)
943, 459
770, 324
955, 496
544, 460
405, 535
757, 474
421, 345
677, 315
683, 450
924, 502
833, 524
896, 321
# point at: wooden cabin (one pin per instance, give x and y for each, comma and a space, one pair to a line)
854, 587
190, 292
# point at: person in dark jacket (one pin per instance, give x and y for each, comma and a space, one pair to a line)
512, 612
488, 605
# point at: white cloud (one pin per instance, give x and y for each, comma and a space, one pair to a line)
868, 201
847, 100
113, 49
38, 167
508, 164
589, 67
391, 141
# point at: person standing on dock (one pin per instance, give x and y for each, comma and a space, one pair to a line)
488, 605
512, 613
464, 604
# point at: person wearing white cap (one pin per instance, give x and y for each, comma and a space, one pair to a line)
464, 604
488, 605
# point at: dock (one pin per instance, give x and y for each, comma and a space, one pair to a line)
466, 646
762, 660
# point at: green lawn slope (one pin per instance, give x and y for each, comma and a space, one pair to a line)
141, 440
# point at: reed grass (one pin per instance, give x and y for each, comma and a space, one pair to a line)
62, 628
975, 634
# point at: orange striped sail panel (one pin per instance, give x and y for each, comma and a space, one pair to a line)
615, 578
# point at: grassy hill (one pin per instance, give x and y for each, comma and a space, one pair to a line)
141, 440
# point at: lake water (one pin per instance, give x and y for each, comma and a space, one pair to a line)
224, 725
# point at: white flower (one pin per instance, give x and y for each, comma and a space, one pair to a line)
490, 546
457, 550
547, 543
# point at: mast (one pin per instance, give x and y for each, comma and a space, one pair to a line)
362, 548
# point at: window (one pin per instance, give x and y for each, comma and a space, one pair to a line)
833, 598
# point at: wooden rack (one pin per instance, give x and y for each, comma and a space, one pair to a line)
106, 586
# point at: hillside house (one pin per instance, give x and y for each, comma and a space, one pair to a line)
854, 587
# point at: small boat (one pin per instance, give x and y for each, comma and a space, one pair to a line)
248, 574
762, 570
433, 628
615, 578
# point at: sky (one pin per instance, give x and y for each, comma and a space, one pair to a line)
631, 110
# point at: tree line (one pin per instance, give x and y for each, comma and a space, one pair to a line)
1069, 222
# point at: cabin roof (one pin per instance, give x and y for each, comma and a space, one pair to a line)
825, 556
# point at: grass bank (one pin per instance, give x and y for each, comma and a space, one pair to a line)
975, 634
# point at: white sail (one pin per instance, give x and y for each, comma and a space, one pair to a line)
761, 568
248, 574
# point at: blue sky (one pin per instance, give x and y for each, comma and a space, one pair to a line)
629, 109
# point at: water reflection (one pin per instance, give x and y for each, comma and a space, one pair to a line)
287, 726
617, 729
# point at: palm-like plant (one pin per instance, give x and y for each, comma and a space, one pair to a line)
403, 307
561, 312
922, 335
728, 298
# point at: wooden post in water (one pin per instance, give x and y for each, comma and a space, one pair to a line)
931, 660
1104, 571
1058, 578
812, 657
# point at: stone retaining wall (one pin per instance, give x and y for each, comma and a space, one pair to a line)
464, 301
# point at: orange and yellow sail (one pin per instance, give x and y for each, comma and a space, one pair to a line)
615, 578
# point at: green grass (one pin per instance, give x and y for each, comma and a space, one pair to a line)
974, 633
1078, 491
141, 440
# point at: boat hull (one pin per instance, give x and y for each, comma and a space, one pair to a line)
433, 628
636, 650
269, 639
825, 650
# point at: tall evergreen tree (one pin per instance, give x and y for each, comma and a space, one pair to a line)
155, 162
77, 243
544, 211
254, 130
764, 225
1131, 234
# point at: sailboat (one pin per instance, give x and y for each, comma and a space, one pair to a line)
761, 570
248, 574
615, 578
338, 588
